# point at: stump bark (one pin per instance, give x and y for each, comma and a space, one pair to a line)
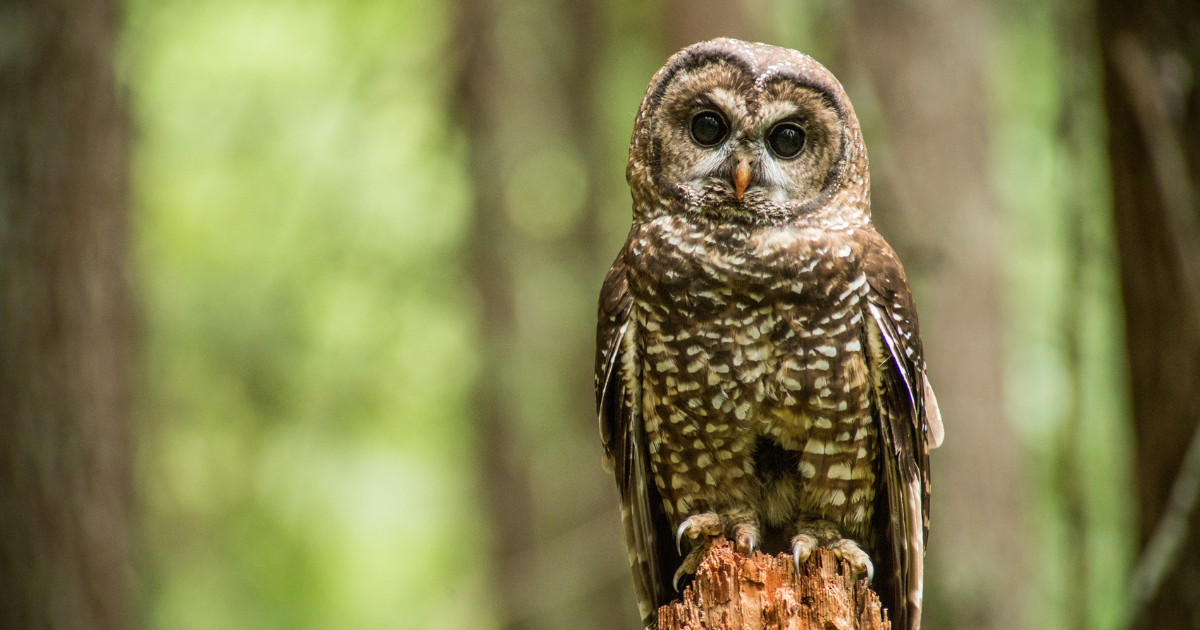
733, 592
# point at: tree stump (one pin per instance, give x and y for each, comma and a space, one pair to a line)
733, 592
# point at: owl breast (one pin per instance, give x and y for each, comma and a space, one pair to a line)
755, 385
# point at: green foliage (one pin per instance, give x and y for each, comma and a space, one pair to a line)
298, 206
1051, 171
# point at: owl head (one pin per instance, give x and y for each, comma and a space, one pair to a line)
746, 132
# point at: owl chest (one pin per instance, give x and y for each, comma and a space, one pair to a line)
762, 340
733, 368
733, 359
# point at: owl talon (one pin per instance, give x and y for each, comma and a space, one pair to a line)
745, 537
679, 573
690, 564
802, 548
706, 524
746, 543
848, 550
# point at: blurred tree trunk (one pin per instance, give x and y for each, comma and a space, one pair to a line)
503, 475
689, 21
927, 64
65, 485
1152, 99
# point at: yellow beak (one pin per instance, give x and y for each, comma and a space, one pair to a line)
741, 176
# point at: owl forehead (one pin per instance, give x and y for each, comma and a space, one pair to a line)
744, 94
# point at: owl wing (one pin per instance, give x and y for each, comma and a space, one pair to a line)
910, 424
618, 401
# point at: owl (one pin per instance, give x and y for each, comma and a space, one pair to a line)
759, 372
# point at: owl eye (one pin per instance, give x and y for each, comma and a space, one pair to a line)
708, 129
786, 139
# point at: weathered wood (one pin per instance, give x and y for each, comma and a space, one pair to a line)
733, 592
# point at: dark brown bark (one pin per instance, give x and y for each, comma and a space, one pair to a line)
65, 493
732, 592
1161, 326
931, 196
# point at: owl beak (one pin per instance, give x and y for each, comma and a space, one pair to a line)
741, 176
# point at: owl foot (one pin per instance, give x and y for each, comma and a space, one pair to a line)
709, 525
818, 533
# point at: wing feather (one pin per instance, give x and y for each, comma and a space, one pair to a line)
909, 423
618, 403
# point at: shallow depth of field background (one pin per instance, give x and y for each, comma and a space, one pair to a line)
303, 194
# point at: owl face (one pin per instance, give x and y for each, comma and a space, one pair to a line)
745, 132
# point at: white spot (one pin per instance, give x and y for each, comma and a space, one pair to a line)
816, 447
808, 470
839, 471
853, 346
837, 497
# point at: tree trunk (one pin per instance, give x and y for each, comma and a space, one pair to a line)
732, 592
504, 478
927, 62
1152, 101
65, 485
689, 21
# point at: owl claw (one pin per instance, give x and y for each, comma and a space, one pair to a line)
746, 540
707, 524
690, 564
848, 550
802, 548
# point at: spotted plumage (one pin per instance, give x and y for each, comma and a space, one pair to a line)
759, 369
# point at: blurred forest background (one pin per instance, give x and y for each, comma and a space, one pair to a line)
299, 299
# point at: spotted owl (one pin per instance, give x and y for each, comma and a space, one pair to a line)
759, 372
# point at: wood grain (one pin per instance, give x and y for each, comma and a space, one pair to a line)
733, 592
